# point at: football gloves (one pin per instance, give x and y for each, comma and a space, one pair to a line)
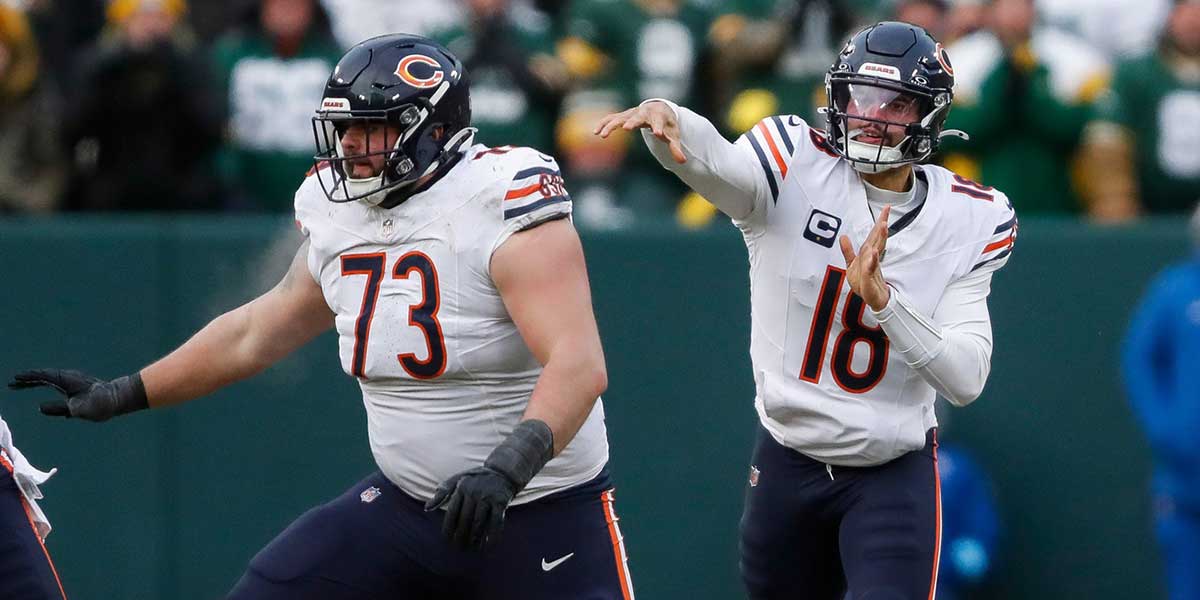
476, 500
86, 397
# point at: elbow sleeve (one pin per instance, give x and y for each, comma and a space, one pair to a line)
954, 361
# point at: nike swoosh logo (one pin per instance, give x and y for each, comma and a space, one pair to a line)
793, 120
548, 566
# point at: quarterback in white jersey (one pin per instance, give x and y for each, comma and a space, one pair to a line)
869, 276
457, 286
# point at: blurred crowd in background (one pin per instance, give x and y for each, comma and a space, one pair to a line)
1074, 107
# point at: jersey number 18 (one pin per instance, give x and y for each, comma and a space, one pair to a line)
854, 331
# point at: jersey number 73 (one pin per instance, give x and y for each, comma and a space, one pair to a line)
422, 314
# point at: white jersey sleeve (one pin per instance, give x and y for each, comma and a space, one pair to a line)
535, 193
742, 179
952, 350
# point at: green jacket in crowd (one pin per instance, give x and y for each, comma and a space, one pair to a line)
1024, 118
270, 104
509, 104
1162, 112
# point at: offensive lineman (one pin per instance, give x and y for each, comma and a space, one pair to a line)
850, 347
459, 293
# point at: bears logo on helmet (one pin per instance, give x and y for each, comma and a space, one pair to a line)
404, 71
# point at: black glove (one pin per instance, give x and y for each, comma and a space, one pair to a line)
86, 397
476, 499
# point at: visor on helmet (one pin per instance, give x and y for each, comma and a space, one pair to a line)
877, 125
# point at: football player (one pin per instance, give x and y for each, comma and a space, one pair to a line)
458, 290
869, 274
28, 571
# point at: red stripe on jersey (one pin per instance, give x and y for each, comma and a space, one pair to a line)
522, 192
762, 128
998, 245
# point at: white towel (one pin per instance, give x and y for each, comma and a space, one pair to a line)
28, 479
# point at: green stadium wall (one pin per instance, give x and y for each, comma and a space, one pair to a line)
173, 504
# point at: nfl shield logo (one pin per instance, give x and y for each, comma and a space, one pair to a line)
754, 476
370, 494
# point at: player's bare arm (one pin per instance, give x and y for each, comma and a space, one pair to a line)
234, 346
543, 281
863, 270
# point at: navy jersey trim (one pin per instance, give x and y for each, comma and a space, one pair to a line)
528, 208
787, 141
911, 215
534, 171
762, 159
1006, 225
992, 259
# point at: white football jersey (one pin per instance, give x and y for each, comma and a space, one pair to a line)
827, 382
444, 372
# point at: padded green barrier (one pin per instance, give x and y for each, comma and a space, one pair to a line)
173, 504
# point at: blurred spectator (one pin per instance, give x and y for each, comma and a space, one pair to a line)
31, 169
1023, 94
139, 122
1144, 146
769, 57
1117, 28
1161, 364
932, 15
772, 56
970, 524
273, 72
356, 20
620, 52
63, 29
516, 80
637, 49
965, 17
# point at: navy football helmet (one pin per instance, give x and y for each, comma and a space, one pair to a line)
888, 94
409, 83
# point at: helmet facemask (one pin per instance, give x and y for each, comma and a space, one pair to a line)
879, 125
339, 183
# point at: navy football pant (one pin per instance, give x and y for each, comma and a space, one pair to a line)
375, 541
811, 531
25, 568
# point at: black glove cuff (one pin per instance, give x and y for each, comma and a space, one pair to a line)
130, 394
523, 453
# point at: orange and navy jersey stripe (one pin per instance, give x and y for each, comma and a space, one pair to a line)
533, 188
618, 543
937, 536
773, 142
1001, 243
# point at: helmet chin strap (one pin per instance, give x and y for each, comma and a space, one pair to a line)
865, 158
